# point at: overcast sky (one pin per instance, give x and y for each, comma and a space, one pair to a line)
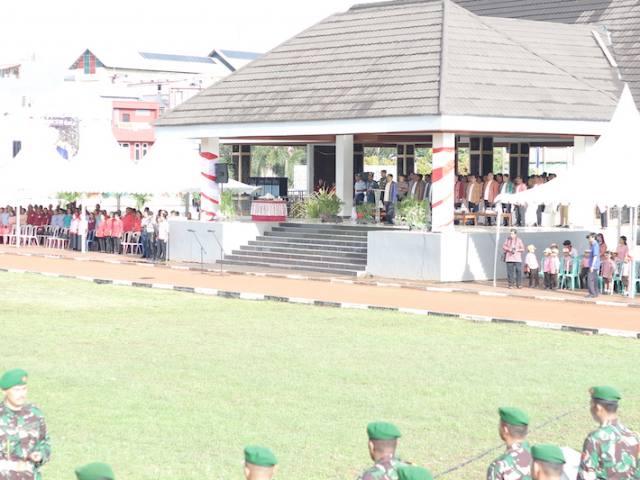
64, 28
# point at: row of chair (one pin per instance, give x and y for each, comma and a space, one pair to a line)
58, 237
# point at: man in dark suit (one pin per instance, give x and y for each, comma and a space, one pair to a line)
390, 198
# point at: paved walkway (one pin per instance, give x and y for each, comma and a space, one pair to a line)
340, 292
485, 288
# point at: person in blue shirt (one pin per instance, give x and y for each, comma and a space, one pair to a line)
594, 266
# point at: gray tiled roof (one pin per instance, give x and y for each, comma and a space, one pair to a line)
620, 17
411, 58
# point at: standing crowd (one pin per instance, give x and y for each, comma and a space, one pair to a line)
107, 232
598, 269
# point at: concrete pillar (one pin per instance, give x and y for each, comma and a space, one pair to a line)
583, 215
581, 146
443, 178
310, 168
210, 190
344, 172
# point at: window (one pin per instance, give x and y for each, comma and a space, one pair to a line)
137, 154
126, 117
145, 147
125, 145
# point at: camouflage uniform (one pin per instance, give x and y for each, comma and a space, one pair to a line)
611, 453
385, 469
22, 433
514, 464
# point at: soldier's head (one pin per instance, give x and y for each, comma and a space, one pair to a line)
14, 387
383, 440
95, 471
604, 403
513, 426
259, 463
548, 462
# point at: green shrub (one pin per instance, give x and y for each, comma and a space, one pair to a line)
412, 213
366, 212
227, 205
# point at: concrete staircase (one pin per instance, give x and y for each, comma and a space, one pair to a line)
328, 248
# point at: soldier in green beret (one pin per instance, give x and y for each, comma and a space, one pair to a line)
95, 471
515, 463
548, 462
611, 451
24, 441
383, 441
259, 463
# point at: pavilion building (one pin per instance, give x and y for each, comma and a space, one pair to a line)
412, 73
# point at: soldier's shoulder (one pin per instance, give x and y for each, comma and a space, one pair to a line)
34, 410
371, 473
601, 433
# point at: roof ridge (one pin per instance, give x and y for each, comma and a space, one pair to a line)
499, 30
388, 3
484, 21
443, 56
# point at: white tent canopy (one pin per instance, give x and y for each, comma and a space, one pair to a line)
37, 168
101, 165
174, 165
612, 165
606, 177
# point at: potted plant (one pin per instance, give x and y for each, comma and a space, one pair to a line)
328, 205
365, 212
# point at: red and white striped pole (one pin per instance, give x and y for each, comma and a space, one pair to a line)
443, 181
210, 190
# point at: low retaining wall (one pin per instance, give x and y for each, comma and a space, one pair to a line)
183, 244
459, 255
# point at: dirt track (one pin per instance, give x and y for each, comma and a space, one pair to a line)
566, 313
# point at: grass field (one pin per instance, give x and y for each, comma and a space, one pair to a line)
168, 385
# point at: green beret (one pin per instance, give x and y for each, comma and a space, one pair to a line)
513, 416
13, 378
382, 431
260, 456
414, 473
547, 453
95, 471
606, 393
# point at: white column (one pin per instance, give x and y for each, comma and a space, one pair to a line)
310, 168
209, 191
581, 146
583, 215
443, 178
344, 172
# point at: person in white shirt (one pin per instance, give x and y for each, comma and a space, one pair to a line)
532, 267
163, 238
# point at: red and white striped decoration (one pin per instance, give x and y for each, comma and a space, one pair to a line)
210, 190
443, 181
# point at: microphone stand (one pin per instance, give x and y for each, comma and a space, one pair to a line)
215, 237
202, 250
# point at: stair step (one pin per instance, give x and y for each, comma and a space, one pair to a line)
300, 263
312, 241
338, 226
300, 257
294, 267
312, 235
321, 231
303, 251
310, 246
